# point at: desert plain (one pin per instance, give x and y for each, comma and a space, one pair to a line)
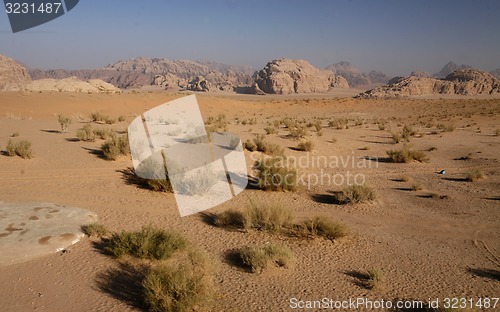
430, 235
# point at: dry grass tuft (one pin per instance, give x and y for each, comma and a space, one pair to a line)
474, 175
257, 258
406, 155
273, 175
21, 148
149, 243
355, 194
95, 229
306, 146
322, 227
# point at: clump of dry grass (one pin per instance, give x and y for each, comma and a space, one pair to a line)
297, 132
179, 287
86, 134
115, 147
149, 243
216, 124
21, 148
396, 137
417, 187
260, 144
274, 175
474, 175
355, 194
306, 146
257, 258
375, 279
271, 130
95, 229
322, 227
268, 218
446, 127
405, 178
338, 123
407, 154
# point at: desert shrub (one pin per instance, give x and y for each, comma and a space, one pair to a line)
446, 127
273, 175
297, 132
407, 133
262, 145
417, 187
179, 287
407, 154
149, 243
216, 124
306, 145
15, 134
10, 149
229, 218
257, 258
21, 148
269, 218
317, 125
108, 120
199, 183
497, 132
355, 194
474, 175
86, 134
319, 133
338, 123
103, 134
250, 145
405, 178
271, 130
64, 122
333, 140
121, 118
381, 126
375, 279
396, 137
95, 229
98, 116
322, 227
115, 147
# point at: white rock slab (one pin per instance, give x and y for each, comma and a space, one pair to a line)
31, 230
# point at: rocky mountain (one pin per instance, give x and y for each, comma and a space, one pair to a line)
450, 68
285, 76
12, 74
71, 84
461, 82
355, 77
173, 74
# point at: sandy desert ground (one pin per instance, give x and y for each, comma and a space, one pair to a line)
426, 247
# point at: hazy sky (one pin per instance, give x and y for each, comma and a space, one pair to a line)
393, 36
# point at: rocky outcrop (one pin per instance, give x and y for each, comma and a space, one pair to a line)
169, 74
355, 77
460, 82
71, 84
420, 74
200, 84
450, 68
285, 76
12, 75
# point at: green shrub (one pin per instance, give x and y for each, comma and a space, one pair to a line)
257, 258
149, 243
263, 217
355, 194
182, 287
273, 175
21, 148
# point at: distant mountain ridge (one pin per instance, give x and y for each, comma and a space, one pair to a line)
450, 68
355, 77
